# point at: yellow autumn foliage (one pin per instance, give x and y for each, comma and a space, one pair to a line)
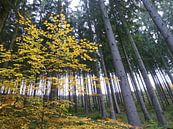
49, 49
21, 112
53, 48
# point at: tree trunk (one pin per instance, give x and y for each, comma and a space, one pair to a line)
150, 89
138, 92
160, 87
82, 96
170, 77
94, 97
166, 33
140, 79
117, 88
89, 100
3, 17
167, 86
85, 94
157, 83
75, 92
132, 114
112, 112
99, 91
116, 106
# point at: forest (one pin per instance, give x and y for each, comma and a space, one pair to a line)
86, 64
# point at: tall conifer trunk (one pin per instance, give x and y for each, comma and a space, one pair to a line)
132, 114
108, 88
99, 91
166, 33
154, 99
139, 95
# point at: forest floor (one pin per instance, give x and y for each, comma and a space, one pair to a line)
15, 116
153, 124
20, 112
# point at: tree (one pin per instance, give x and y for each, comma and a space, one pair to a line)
155, 101
46, 51
132, 114
166, 33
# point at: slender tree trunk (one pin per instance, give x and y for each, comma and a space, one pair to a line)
152, 94
157, 83
139, 95
82, 96
161, 89
91, 88
75, 93
93, 96
132, 114
118, 92
35, 86
140, 79
167, 71
95, 101
99, 91
3, 17
170, 77
112, 112
167, 86
89, 100
85, 95
69, 88
53, 88
166, 33
116, 106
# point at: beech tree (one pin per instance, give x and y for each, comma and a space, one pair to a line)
46, 51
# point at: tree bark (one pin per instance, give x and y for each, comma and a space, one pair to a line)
99, 91
85, 94
75, 92
166, 33
132, 114
4, 14
138, 92
116, 106
112, 112
154, 99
